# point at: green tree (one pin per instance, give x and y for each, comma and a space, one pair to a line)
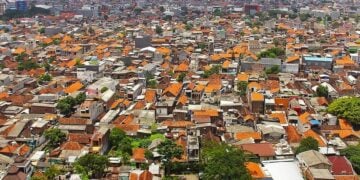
214, 70
347, 108
272, 53
222, 161
55, 137
93, 165
137, 11
125, 145
158, 30
42, 30
64, 108
52, 172
66, 104
322, 91
169, 150
116, 136
45, 77
181, 77
273, 70
306, 144
80, 98
304, 17
162, 9
352, 153
217, 12
149, 155
242, 87
103, 89
188, 26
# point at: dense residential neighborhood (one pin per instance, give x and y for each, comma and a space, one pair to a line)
179, 89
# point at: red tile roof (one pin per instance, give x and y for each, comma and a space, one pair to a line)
340, 165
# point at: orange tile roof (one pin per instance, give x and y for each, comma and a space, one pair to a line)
174, 89
282, 101
139, 154
3, 95
177, 124
346, 60
116, 103
183, 67
345, 133
344, 125
255, 170
257, 96
208, 112
254, 85
183, 99
280, 116
164, 51
19, 50
212, 87
304, 117
74, 87
292, 58
146, 175
133, 176
150, 95
243, 77
9, 149
246, 135
140, 105
292, 134
226, 64
199, 88
311, 133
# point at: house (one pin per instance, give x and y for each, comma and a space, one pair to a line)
341, 168
76, 125
43, 108
14, 173
310, 61
100, 141
90, 109
263, 151
71, 149
257, 102
313, 159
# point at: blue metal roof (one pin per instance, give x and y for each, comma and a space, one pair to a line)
315, 58
314, 122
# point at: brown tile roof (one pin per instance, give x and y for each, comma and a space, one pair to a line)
128, 127
261, 149
177, 124
80, 138
71, 145
74, 121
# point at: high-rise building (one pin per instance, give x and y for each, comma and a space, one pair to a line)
21, 5
2, 6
